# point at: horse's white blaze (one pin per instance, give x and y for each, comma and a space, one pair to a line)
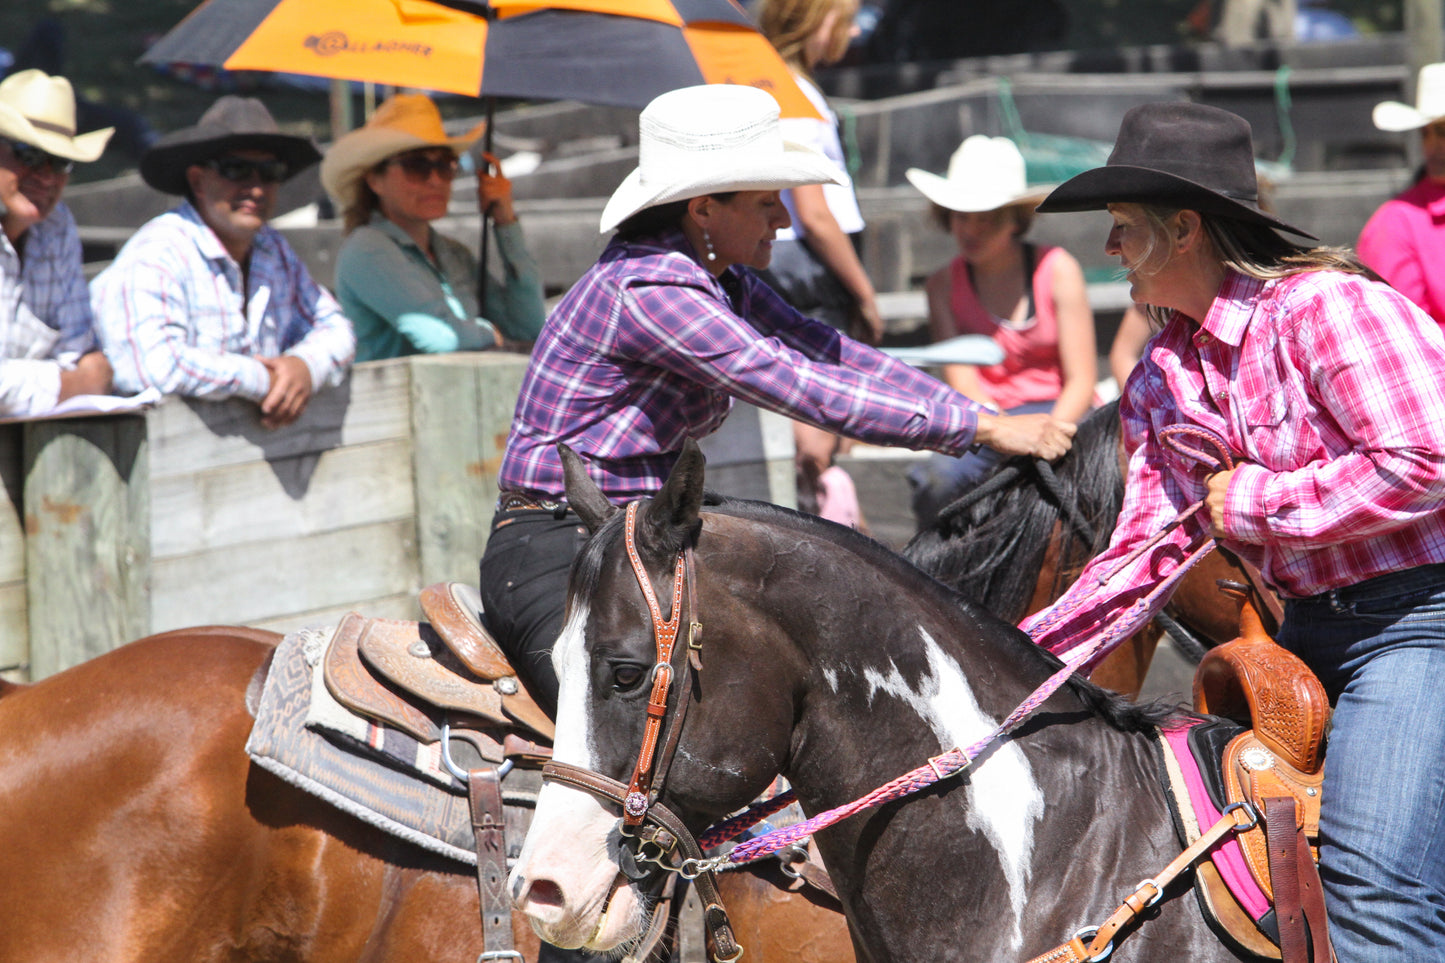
1004, 799
567, 843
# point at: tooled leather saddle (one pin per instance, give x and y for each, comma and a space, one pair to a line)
1277, 765
448, 675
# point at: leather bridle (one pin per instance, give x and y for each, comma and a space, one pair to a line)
645, 819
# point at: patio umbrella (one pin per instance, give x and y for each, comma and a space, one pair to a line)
613, 52
616, 52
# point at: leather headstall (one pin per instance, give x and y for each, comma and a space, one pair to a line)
676, 849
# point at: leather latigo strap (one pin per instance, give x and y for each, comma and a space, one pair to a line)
1299, 902
484, 793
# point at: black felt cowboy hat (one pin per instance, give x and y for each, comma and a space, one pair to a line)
1183, 155
230, 124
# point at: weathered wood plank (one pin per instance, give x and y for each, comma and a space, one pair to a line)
751, 456
87, 522
12, 487
283, 499
462, 409
190, 435
14, 633
241, 584
404, 606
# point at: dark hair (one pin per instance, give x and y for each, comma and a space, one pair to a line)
654, 220
1023, 216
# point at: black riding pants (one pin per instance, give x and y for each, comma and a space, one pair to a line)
524, 591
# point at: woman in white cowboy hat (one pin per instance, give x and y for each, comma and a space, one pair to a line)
406, 288
1404, 241
1031, 300
1323, 386
650, 347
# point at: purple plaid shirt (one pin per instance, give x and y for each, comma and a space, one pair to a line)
649, 349
1325, 387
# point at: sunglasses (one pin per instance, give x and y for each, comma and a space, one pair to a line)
419, 167
33, 158
240, 169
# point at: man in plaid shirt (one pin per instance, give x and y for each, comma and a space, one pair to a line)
207, 300
47, 345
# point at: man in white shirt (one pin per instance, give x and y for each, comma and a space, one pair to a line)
48, 351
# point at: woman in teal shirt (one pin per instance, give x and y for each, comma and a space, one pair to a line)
406, 288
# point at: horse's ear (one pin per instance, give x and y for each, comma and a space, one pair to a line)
672, 515
583, 495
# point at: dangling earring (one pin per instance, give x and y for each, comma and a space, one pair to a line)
707, 239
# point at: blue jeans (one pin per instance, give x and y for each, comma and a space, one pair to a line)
943, 479
1379, 649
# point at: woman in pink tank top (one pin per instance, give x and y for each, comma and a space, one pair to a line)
1031, 300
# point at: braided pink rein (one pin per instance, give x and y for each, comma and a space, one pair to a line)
1188, 441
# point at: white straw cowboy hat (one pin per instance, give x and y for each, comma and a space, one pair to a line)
710, 139
1429, 103
405, 122
230, 124
984, 174
39, 110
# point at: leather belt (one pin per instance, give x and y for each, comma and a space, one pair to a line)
520, 501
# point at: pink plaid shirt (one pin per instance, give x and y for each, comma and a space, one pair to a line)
1327, 389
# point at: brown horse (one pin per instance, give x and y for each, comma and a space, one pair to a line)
133, 827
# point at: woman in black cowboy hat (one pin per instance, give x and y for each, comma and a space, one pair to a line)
1323, 385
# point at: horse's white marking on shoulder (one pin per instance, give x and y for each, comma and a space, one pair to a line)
1004, 799
569, 661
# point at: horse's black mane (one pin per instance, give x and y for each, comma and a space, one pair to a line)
1117, 711
991, 545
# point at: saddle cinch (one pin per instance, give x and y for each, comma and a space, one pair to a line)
448, 675
1278, 767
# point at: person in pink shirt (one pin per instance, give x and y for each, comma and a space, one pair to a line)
1404, 241
1323, 385
1030, 299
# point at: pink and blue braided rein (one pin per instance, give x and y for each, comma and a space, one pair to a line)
1186, 440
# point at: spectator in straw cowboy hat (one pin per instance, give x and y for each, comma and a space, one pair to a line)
406, 288
1404, 241
1323, 385
653, 343
48, 349
207, 300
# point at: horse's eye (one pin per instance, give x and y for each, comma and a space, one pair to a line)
628, 676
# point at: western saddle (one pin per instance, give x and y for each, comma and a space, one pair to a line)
446, 676
1277, 765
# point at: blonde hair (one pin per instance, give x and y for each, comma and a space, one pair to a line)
1254, 250
788, 25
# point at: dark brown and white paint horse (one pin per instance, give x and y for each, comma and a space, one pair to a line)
836, 663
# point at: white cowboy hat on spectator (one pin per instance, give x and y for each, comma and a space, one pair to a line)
405, 122
710, 139
984, 174
38, 109
1429, 103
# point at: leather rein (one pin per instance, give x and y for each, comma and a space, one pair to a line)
661, 838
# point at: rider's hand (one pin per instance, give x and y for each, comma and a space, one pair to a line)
1215, 501
1038, 436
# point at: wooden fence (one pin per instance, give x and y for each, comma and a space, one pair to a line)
190, 513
